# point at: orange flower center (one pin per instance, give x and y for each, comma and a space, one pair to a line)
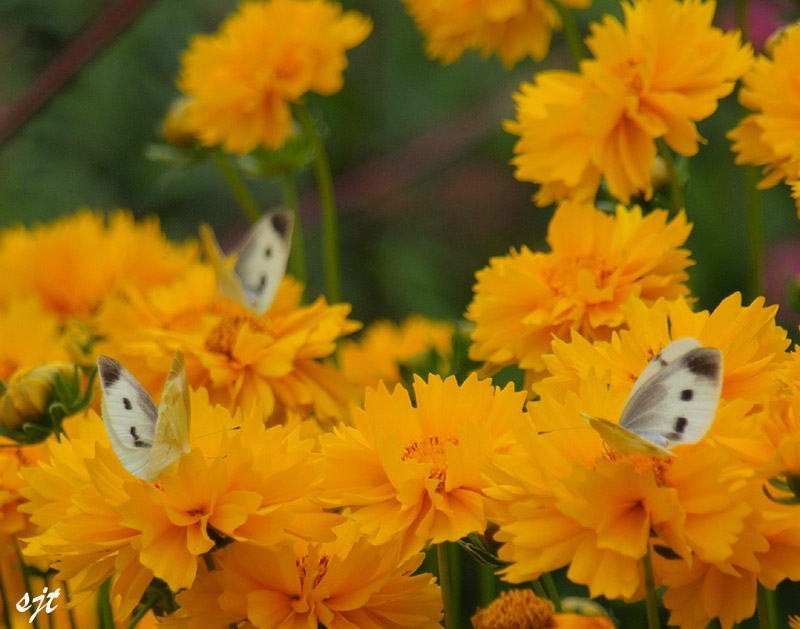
643, 464
561, 276
321, 568
628, 72
431, 450
515, 609
222, 337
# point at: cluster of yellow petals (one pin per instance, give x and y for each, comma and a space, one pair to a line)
239, 357
596, 263
72, 264
514, 29
242, 80
563, 498
769, 136
522, 609
414, 471
653, 78
386, 347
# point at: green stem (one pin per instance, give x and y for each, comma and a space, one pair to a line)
73, 623
573, 35
678, 202
105, 615
650, 585
209, 561
26, 580
741, 19
142, 611
488, 585
538, 589
297, 255
552, 591
767, 608
330, 236
454, 563
237, 186
4, 602
755, 233
444, 583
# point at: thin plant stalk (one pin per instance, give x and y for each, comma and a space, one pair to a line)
73, 623
235, 182
538, 588
297, 254
766, 608
142, 611
444, 584
755, 233
678, 202
742, 20
330, 229
454, 564
488, 585
572, 34
650, 586
105, 615
552, 591
26, 580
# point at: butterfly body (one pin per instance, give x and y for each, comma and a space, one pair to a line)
672, 402
260, 261
146, 438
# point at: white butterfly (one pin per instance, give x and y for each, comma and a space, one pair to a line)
147, 439
673, 401
260, 261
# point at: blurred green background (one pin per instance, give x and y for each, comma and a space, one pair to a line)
425, 190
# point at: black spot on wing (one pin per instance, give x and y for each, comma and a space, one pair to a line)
137, 442
127, 403
280, 223
110, 370
687, 395
704, 363
268, 253
680, 425
262, 283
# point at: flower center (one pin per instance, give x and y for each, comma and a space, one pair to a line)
515, 609
321, 568
431, 450
643, 464
222, 337
628, 72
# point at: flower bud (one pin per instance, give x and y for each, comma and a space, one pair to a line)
28, 395
174, 129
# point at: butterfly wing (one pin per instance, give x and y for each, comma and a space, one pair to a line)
129, 414
172, 428
262, 259
623, 440
229, 285
679, 398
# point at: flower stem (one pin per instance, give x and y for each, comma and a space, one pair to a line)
755, 233
741, 19
26, 580
766, 607
297, 255
444, 583
650, 586
70, 611
488, 585
105, 615
552, 591
538, 589
678, 202
235, 182
142, 612
573, 35
330, 236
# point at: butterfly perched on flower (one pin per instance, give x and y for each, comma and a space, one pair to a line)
673, 401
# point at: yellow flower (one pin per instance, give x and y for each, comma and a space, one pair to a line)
346, 583
794, 622
31, 336
241, 358
522, 609
768, 137
596, 263
72, 264
654, 78
242, 80
385, 347
514, 29
415, 471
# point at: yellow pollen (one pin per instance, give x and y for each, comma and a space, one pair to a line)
222, 337
321, 568
643, 464
431, 450
515, 609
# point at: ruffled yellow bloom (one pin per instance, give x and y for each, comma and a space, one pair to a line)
72, 264
769, 137
385, 346
522, 609
654, 78
794, 622
240, 480
564, 499
596, 263
31, 336
414, 471
346, 583
243, 79
514, 29
241, 358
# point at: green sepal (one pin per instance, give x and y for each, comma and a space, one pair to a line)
475, 547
